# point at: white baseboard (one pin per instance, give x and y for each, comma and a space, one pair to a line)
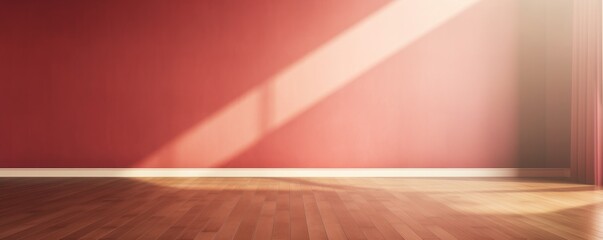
285, 172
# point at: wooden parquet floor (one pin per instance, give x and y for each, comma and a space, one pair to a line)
298, 208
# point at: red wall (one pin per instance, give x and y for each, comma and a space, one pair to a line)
118, 83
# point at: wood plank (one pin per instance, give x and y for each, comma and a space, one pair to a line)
298, 208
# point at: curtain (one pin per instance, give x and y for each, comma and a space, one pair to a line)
586, 137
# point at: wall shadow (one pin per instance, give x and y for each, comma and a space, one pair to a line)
544, 83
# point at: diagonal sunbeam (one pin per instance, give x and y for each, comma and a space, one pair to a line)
297, 88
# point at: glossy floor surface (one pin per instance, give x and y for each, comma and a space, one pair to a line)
298, 208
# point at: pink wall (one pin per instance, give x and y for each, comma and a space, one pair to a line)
125, 84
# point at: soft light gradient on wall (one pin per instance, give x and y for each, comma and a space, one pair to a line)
404, 83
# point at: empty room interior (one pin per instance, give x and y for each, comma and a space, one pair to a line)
301, 119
